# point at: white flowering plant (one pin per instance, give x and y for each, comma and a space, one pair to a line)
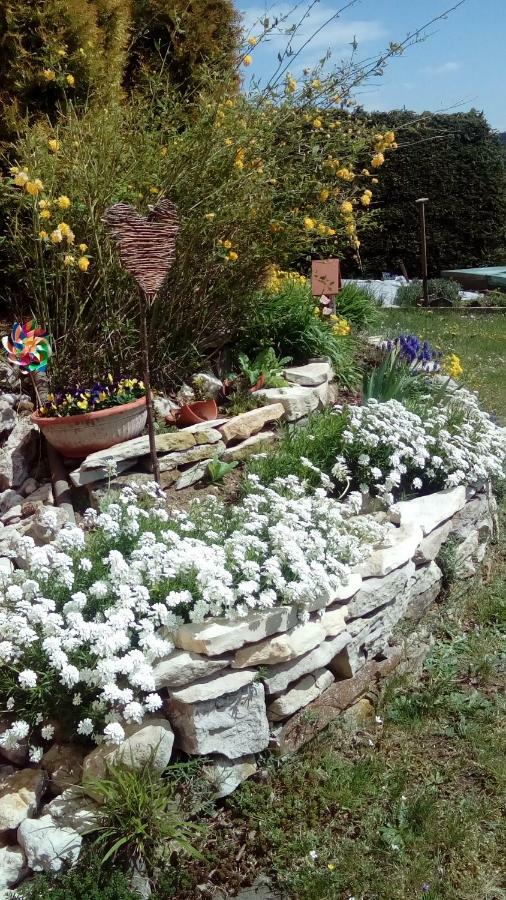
390, 450
84, 624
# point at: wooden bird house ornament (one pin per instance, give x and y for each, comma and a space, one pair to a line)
147, 249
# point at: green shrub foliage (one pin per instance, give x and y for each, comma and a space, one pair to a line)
456, 161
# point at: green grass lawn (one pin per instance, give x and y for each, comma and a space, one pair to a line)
479, 340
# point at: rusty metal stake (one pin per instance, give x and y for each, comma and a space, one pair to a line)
423, 249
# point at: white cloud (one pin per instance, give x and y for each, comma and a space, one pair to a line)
443, 69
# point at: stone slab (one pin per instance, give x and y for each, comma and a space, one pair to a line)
300, 694
193, 454
401, 547
310, 375
215, 686
297, 402
429, 511
225, 775
344, 592
253, 444
244, 425
277, 678
377, 592
181, 667
216, 636
281, 647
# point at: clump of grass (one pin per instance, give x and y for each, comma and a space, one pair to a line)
358, 305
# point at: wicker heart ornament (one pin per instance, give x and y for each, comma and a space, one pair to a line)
146, 244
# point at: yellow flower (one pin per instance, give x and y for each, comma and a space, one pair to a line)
321, 228
374, 181
34, 187
247, 60
83, 248
70, 80
389, 137
49, 74
44, 204
324, 195
66, 231
377, 160
83, 263
233, 256
252, 41
309, 224
239, 164
43, 235
330, 867
317, 123
316, 311
68, 259
316, 83
227, 244
452, 366
62, 52
154, 190
230, 103
14, 170
291, 85
82, 404
53, 145
56, 236
63, 202
163, 151
365, 172
345, 174
209, 216
365, 199
346, 207
20, 179
45, 214
228, 142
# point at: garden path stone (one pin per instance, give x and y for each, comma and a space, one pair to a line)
19, 796
225, 775
214, 686
399, 547
310, 375
277, 678
12, 866
429, 511
235, 725
297, 402
182, 667
244, 425
281, 647
300, 694
253, 444
48, 847
217, 636
18, 454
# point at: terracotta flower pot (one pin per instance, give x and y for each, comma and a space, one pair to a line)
77, 436
194, 413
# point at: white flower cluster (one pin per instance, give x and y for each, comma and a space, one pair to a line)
83, 628
390, 448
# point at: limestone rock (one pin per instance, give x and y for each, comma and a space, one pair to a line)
126, 454
376, 592
310, 375
401, 546
333, 621
17, 755
193, 454
12, 866
429, 511
277, 678
151, 741
234, 725
215, 636
244, 425
281, 647
208, 385
192, 475
8, 417
206, 432
431, 545
46, 524
12, 515
163, 405
465, 556
214, 686
64, 765
225, 775
297, 402
48, 848
253, 444
476, 515
181, 667
300, 694
19, 796
424, 588
18, 454
43, 493
8, 500
29, 486
72, 809
344, 592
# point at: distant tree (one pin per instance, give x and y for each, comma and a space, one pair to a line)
458, 162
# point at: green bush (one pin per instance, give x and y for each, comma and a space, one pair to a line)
441, 290
86, 882
358, 305
285, 319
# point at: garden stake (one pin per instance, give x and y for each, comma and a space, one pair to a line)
423, 249
147, 248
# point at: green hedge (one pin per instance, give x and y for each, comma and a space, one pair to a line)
458, 162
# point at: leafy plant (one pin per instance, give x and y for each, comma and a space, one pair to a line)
266, 366
240, 402
358, 305
440, 290
87, 880
392, 380
218, 469
283, 316
141, 821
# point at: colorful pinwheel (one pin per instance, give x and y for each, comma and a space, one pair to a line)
28, 347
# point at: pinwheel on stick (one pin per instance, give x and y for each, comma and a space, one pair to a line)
29, 348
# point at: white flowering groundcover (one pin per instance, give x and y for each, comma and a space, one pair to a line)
91, 614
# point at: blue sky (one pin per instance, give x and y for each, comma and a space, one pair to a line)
460, 65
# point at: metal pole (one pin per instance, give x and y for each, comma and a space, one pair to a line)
423, 249
144, 303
